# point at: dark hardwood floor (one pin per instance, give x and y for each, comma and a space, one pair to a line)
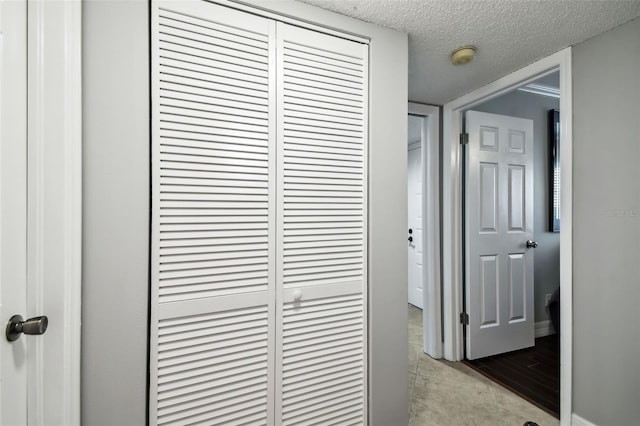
532, 373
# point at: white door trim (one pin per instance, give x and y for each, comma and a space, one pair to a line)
430, 143
452, 209
55, 208
289, 18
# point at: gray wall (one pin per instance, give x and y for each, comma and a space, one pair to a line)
116, 212
606, 227
547, 254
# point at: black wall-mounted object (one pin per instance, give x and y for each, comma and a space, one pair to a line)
554, 170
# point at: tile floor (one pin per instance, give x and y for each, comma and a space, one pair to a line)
444, 393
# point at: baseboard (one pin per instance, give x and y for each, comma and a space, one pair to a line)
544, 328
576, 420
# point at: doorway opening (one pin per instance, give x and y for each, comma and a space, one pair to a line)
452, 213
518, 243
441, 391
423, 231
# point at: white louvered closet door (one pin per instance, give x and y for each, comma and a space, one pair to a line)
213, 216
321, 271
258, 301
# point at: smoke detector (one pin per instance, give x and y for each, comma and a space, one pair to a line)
463, 55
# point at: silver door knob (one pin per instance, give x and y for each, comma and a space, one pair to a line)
17, 325
531, 244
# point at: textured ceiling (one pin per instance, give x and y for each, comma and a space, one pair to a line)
509, 34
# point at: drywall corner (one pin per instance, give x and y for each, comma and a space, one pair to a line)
606, 227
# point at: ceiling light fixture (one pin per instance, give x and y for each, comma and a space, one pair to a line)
463, 55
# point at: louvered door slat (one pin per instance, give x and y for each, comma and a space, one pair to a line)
319, 229
181, 60
320, 123
208, 38
323, 97
345, 417
176, 91
301, 135
185, 381
204, 72
221, 191
220, 150
309, 47
188, 126
204, 219
231, 165
215, 48
321, 218
296, 62
295, 100
320, 113
353, 159
204, 174
321, 260
212, 333
229, 120
228, 143
315, 148
323, 79
193, 102
313, 87
184, 21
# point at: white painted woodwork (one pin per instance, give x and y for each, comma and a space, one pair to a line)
321, 268
54, 246
566, 236
499, 221
40, 209
258, 220
13, 207
432, 312
415, 220
212, 215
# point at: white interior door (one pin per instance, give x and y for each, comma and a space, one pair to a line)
40, 211
13, 207
499, 223
415, 240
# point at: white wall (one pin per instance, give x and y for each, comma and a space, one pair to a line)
547, 254
116, 211
606, 227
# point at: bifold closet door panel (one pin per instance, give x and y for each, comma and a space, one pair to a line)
213, 216
322, 199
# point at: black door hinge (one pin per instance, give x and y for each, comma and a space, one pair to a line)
464, 318
464, 138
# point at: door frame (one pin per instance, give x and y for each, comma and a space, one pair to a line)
430, 151
452, 242
54, 215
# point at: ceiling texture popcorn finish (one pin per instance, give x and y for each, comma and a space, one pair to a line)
508, 35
